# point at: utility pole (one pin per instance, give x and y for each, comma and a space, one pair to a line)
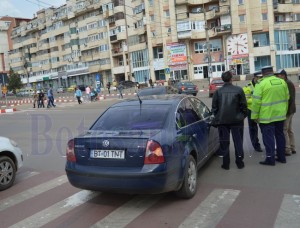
127, 45
207, 46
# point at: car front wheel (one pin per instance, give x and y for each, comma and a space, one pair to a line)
189, 185
7, 172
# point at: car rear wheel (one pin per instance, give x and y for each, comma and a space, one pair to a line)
7, 172
189, 185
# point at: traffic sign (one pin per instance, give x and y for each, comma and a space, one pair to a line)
167, 70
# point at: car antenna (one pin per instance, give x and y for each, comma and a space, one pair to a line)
139, 98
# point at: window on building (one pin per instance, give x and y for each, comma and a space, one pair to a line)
152, 18
264, 16
215, 45
158, 53
140, 58
261, 61
261, 40
240, 2
198, 70
160, 75
167, 13
151, 2
263, 1
242, 18
121, 61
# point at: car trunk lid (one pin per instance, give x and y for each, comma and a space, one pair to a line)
112, 149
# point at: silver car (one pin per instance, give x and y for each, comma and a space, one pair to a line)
11, 159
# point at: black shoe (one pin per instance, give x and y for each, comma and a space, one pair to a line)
293, 152
287, 154
240, 165
258, 149
267, 163
226, 167
281, 161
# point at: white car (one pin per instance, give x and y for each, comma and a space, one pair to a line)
11, 159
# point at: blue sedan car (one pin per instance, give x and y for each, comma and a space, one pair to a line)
144, 146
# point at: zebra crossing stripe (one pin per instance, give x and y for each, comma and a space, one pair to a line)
53, 212
26, 175
289, 212
32, 192
128, 211
212, 209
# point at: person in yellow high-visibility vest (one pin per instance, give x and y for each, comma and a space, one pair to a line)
269, 109
252, 125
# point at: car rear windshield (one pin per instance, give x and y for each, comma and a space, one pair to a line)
218, 82
138, 117
187, 84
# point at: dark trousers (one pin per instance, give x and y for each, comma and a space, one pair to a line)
253, 131
79, 99
237, 131
270, 133
51, 101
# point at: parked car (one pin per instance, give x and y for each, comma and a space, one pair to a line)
215, 84
152, 145
24, 93
128, 84
71, 88
11, 159
60, 90
186, 88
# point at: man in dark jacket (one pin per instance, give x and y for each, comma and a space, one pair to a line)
288, 123
229, 107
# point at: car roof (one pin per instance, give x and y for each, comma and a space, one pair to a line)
153, 99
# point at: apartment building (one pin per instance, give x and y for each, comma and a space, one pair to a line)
85, 41
6, 26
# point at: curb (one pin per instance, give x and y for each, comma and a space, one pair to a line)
8, 110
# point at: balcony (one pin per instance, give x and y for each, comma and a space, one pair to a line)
285, 8
117, 51
223, 29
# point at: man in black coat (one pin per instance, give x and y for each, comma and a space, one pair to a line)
290, 147
229, 107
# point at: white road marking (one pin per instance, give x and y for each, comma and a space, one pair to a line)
53, 212
212, 209
32, 192
128, 212
289, 213
26, 175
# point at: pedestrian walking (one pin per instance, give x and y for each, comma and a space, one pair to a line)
88, 92
150, 83
229, 107
50, 98
78, 95
108, 87
35, 99
120, 88
269, 109
290, 147
252, 125
41, 99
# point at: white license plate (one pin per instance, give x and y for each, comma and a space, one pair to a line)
114, 154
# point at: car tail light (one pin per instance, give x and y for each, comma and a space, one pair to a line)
212, 87
154, 154
182, 88
70, 151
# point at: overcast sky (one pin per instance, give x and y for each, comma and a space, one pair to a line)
26, 8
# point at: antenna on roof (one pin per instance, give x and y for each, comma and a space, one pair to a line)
139, 98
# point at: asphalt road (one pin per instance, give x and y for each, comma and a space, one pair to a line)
258, 192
